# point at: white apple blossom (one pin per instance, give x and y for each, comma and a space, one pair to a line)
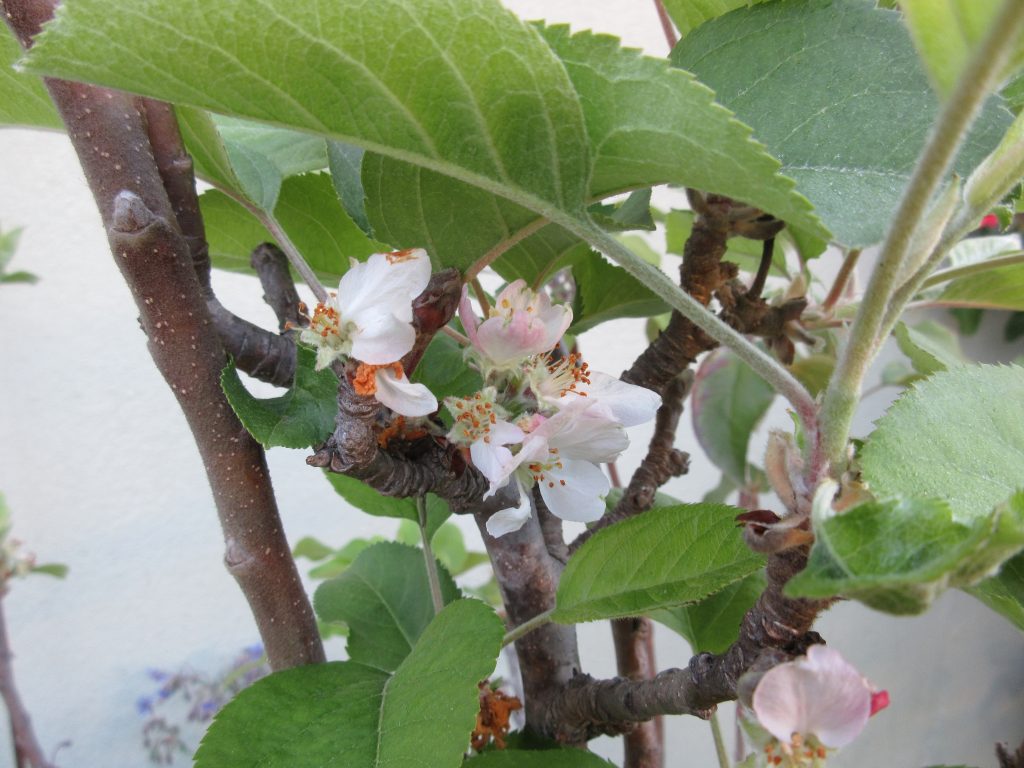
370, 320
558, 384
813, 704
522, 323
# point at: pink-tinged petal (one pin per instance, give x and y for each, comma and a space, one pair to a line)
403, 396
556, 321
575, 491
879, 701
384, 283
381, 339
821, 694
511, 519
509, 342
627, 404
468, 316
578, 433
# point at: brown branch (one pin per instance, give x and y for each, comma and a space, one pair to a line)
110, 138
271, 266
635, 660
27, 751
1008, 760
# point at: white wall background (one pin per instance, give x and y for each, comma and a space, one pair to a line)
100, 472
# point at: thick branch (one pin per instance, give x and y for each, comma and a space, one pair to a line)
271, 265
635, 660
27, 751
110, 138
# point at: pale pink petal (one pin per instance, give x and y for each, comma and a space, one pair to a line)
403, 396
508, 342
575, 491
627, 404
822, 694
511, 519
382, 338
578, 433
383, 284
468, 316
556, 321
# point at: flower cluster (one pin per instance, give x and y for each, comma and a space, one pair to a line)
369, 320
543, 419
812, 705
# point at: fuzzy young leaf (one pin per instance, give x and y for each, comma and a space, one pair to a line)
858, 103
361, 496
713, 624
23, 98
958, 435
348, 714
728, 401
930, 346
300, 418
665, 557
897, 556
384, 598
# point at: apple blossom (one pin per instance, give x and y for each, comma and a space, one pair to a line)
522, 323
557, 384
812, 704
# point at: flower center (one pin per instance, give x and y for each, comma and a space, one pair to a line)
539, 469
568, 373
397, 257
365, 380
474, 417
325, 322
800, 752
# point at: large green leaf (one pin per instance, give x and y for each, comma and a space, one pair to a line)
958, 435
1004, 592
898, 555
690, 14
542, 758
347, 715
300, 418
727, 403
713, 624
384, 598
946, 33
667, 556
310, 213
363, 497
23, 99
999, 288
858, 105
607, 292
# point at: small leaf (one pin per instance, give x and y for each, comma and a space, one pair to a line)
713, 624
728, 401
974, 250
348, 714
667, 556
814, 372
967, 320
957, 435
607, 292
539, 758
23, 98
858, 110
301, 418
1014, 327
340, 560
1004, 592
57, 570
632, 213
361, 496
346, 164
897, 556
930, 346
311, 549
19, 277
384, 598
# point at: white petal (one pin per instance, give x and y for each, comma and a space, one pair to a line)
588, 435
628, 404
512, 519
381, 339
382, 285
822, 694
576, 491
508, 342
402, 396
491, 459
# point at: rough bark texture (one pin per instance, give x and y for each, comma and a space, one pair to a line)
110, 136
635, 660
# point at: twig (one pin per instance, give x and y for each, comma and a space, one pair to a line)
666, 25
527, 627
644, 745
271, 266
481, 296
428, 556
720, 750
27, 751
291, 251
756, 287
972, 88
842, 278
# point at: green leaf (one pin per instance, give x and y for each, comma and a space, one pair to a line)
1004, 592
957, 435
687, 15
713, 624
1000, 288
607, 292
667, 556
384, 598
727, 402
349, 715
946, 32
19, 277
898, 555
290, 152
931, 346
309, 211
346, 164
311, 548
814, 372
342, 559
300, 418
23, 98
448, 544
1014, 327
8, 245
443, 369
360, 495
541, 758
632, 213
57, 570
967, 320
858, 103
